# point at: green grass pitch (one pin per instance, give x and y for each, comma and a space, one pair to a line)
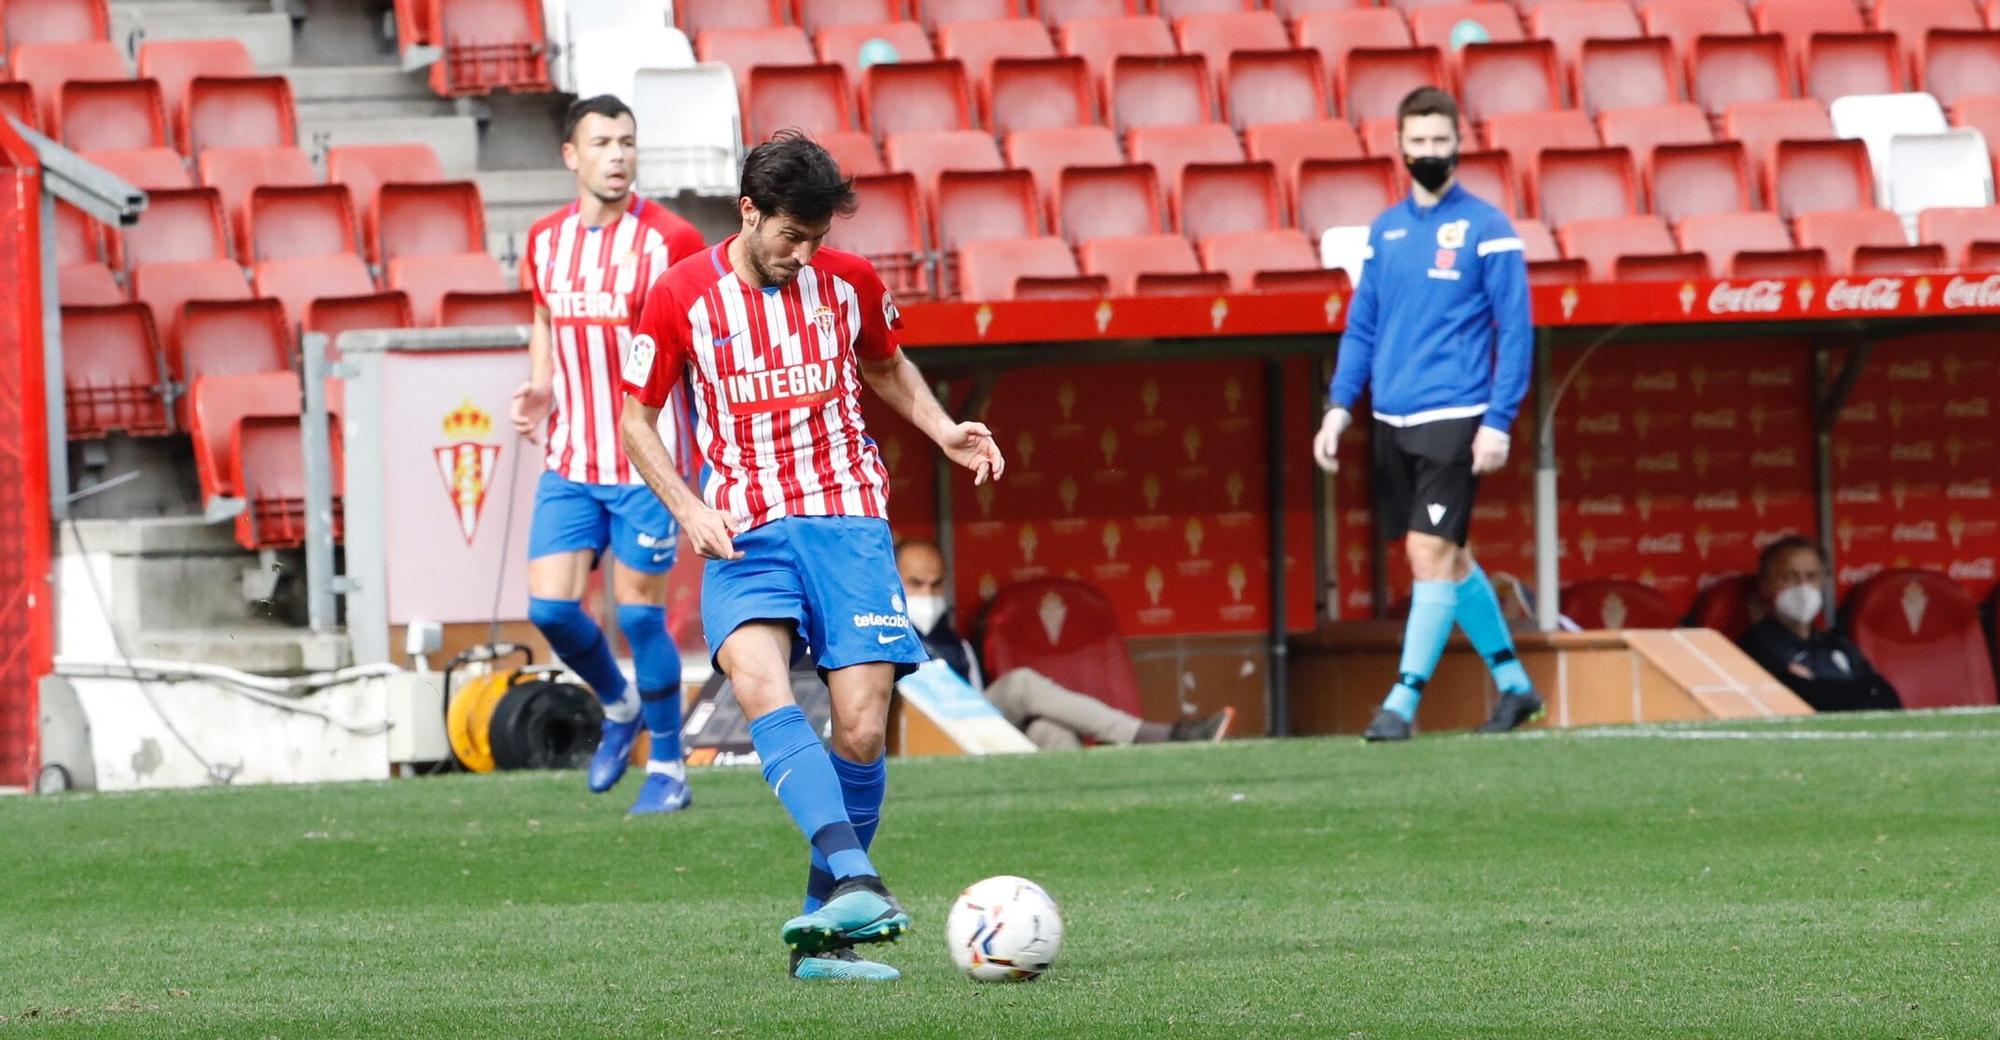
1828, 878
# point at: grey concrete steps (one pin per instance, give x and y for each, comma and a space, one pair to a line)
365, 92
268, 36
259, 648
454, 138
166, 572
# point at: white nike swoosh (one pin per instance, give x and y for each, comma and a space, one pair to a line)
779, 787
661, 557
886, 640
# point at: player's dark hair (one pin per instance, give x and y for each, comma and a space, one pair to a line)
791, 174
1426, 101
1783, 547
605, 105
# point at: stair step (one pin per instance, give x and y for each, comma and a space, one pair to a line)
270, 650
365, 92
267, 35
454, 138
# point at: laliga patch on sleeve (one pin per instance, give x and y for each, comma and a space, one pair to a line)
639, 363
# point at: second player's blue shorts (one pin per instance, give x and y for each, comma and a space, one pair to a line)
834, 577
628, 519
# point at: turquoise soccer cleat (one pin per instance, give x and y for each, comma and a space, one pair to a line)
859, 911
842, 964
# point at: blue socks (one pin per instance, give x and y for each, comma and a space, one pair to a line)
657, 663
1432, 608
580, 643
802, 775
1479, 615
861, 788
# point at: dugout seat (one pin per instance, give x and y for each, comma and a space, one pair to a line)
1245, 253
887, 227
286, 222
1344, 192
1841, 232
1643, 129
1124, 259
1037, 94
1108, 202
111, 372
812, 98
1722, 236
1226, 198
1921, 631
239, 112
1729, 606
1686, 180
978, 45
1613, 604
235, 172
1957, 228
177, 224
915, 97
1569, 24
1584, 184
98, 115
149, 169
748, 48
1084, 651
295, 283
841, 44
1283, 87
1626, 73
166, 287
87, 285
427, 277
52, 21
1100, 42
1599, 243
1372, 82
1046, 152
441, 219
1683, 21
990, 270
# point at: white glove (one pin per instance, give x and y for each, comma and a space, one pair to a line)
1326, 443
1489, 450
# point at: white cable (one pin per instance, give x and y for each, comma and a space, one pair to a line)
297, 686
174, 671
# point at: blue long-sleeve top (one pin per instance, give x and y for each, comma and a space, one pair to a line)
1440, 325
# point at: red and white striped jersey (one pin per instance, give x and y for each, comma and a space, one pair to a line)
593, 282
773, 374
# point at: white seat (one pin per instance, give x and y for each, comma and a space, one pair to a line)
571, 24
1931, 170
1347, 249
606, 60
1874, 118
690, 129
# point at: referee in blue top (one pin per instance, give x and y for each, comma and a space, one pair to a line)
1440, 330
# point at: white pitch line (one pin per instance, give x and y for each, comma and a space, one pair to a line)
1738, 734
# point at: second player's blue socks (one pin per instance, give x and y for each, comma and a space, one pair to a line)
580, 643
1479, 615
862, 788
657, 663
1433, 605
800, 773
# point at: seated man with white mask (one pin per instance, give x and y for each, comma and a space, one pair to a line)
1822, 666
1051, 716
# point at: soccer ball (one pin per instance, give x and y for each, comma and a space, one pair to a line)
1004, 929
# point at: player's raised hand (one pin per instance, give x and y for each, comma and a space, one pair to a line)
1489, 450
712, 534
971, 445
530, 409
1326, 443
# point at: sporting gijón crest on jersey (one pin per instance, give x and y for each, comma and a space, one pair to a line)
775, 382
593, 282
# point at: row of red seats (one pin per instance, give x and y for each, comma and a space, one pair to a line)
485, 45
1759, 245
189, 95
52, 21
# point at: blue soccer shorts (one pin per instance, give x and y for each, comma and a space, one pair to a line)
833, 577
628, 519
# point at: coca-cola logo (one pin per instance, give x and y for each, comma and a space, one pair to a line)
1717, 502
1962, 292
1775, 458
1969, 408
1859, 494
1660, 545
1969, 489
1606, 423
1971, 570
1910, 371
1606, 505
1857, 575
1720, 419
1925, 531
1770, 377
1921, 451
1875, 294
1762, 297
1664, 462
1859, 413
1658, 382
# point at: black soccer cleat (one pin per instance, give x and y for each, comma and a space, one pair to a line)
1387, 726
1513, 710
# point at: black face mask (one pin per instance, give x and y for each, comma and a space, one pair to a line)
1431, 171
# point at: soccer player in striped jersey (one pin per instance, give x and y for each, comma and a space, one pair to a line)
589, 265
773, 336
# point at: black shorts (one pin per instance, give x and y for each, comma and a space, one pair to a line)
1423, 478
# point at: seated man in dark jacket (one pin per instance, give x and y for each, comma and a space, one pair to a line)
1823, 667
1051, 716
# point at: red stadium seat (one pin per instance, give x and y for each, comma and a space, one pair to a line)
1525, 135
460, 309
1895, 260
1558, 272
1062, 12
1921, 631
165, 288
1216, 36
1981, 113
235, 172
1263, 87
1245, 253
1038, 94
333, 315
175, 63
297, 282
1568, 24
45, 67
1730, 70
1226, 198
490, 45
218, 406
1643, 129
888, 228
1124, 259
813, 98
1151, 91
1169, 148
974, 206
1176, 10
1659, 267
364, 168
1434, 26
1108, 202
1683, 20
1497, 78
18, 101
854, 151
1599, 243
147, 168
1687, 180
1959, 63
989, 270
928, 154
747, 48
1344, 193
1086, 653
1912, 20
1957, 229
228, 337
427, 277
1196, 283
697, 17
52, 21
1779, 263
178, 224
1100, 42
979, 44
1537, 243
1614, 604
841, 44
818, 14
95, 115
1799, 20
1305, 279
1760, 125
287, 222
915, 97
439, 219
1490, 176
77, 237
1585, 184
1384, 137
936, 14
111, 372
1820, 175
1627, 73
1840, 232
1334, 33
1293, 10
247, 445
1836, 66
1726, 606
1373, 82
87, 285
1285, 145
1983, 256
239, 112
1046, 152
1721, 236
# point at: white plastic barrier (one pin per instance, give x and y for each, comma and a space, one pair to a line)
1345, 248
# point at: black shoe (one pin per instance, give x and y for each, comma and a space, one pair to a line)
1387, 726
1211, 728
1513, 710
